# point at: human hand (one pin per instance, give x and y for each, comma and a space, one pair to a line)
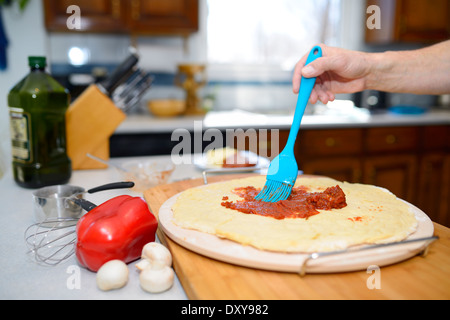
337, 71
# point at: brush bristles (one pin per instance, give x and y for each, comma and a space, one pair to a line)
274, 191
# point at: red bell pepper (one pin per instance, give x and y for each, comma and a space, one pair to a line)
117, 229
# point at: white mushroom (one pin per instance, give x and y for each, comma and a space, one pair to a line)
156, 273
157, 277
112, 275
143, 264
156, 252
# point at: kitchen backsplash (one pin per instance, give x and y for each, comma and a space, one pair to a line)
255, 96
247, 95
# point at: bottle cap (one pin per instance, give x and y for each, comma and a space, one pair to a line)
37, 62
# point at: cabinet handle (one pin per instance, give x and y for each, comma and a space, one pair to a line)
330, 142
391, 139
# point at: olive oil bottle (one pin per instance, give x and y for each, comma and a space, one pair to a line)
37, 107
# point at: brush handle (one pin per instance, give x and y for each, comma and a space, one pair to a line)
306, 86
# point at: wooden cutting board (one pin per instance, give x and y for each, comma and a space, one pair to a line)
204, 278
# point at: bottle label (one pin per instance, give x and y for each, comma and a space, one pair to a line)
20, 125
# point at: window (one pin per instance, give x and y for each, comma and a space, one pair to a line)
269, 33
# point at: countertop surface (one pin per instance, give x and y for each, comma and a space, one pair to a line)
322, 118
23, 278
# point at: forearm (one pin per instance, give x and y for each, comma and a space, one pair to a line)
422, 71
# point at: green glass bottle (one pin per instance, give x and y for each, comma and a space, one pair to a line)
37, 108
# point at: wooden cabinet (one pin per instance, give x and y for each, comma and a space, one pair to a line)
330, 152
433, 194
157, 17
422, 20
413, 21
314, 148
391, 139
434, 186
339, 168
330, 142
397, 173
163, 17
95, 15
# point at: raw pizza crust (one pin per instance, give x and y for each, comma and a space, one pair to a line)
372, 215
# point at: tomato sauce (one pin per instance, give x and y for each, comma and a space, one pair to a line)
300, 204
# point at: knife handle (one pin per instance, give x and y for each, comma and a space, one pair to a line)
119, 74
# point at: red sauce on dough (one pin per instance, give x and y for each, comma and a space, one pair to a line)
300, 204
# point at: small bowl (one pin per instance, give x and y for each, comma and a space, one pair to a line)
146, 174
167, 107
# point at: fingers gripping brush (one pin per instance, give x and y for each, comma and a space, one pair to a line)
283, 169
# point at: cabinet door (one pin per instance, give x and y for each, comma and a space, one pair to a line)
395, 173
422, 20
163, 17
332, 142
413, 21
391, 139
96, 15
444, 214
341, 169
434, 187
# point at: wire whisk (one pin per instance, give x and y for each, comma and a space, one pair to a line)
52, 241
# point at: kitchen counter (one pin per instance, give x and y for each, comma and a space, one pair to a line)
321, 119
23, 278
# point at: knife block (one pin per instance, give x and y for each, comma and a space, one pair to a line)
90, 121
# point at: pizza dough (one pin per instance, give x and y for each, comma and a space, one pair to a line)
372, 215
